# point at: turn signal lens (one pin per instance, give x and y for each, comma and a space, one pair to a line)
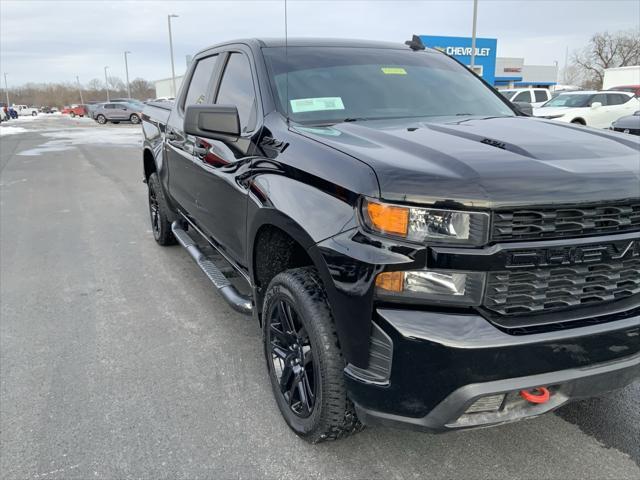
390, 281
388, 218
418, 224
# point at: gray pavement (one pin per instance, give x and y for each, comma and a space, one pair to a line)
117, 360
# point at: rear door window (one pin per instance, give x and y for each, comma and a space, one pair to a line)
541, 95
198, 91
617, 98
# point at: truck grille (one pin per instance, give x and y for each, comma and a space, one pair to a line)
544, 290
537, 223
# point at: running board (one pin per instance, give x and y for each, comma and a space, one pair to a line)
229, 292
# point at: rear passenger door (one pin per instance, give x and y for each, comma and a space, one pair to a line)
540, 97
223, 198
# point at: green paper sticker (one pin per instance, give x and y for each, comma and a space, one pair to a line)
394, 71
302, 105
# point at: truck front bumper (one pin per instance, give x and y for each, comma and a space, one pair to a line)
452, 371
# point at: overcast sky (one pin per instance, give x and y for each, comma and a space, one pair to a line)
52, 40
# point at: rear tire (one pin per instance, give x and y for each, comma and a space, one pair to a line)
159, 212
72, 115
135, 119
303, 358
101, 119
34, 114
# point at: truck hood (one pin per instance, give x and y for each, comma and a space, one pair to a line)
490, 162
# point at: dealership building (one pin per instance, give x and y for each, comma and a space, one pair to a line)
501, 72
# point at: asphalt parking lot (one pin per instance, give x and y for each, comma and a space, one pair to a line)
118, 360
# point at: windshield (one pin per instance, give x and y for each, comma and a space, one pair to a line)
334, 84
572, 100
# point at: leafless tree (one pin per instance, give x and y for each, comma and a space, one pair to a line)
607, 50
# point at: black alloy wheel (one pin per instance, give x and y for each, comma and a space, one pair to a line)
291, 356
159, 212
303, 357
154, 211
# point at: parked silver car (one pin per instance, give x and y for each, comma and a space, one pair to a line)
117, 112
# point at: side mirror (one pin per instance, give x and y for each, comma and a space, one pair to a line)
212, 121
524, 109
595, 105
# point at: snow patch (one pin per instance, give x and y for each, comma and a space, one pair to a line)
11, 131
69, 139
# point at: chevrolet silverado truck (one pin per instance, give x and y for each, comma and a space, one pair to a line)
416, 252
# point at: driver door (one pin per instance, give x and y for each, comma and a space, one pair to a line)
222, 198
600, 115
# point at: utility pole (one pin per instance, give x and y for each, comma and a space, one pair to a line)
6, 90
126, 69
173, 69
566, 64
80, 90
473, 35
106, 82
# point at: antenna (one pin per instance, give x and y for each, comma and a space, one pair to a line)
415, 43
286, 57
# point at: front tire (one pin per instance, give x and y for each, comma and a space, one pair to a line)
303, 358
72, 115
159, 212
101, 119
135, 119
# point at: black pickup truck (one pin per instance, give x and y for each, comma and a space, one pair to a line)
416, 251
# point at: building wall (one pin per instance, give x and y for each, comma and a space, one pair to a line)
164, 87
540, 74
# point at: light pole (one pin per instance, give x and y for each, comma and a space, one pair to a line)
126, 69
6, 90
173, 69
80, 90
473, 35
106, 81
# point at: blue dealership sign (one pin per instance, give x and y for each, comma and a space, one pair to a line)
460, 48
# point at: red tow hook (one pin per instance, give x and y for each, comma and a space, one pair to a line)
536, 395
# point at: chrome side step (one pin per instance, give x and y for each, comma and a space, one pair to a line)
229, 292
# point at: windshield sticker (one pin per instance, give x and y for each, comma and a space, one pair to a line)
393, 71
302, 105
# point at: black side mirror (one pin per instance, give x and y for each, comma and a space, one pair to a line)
212, 121
524, 109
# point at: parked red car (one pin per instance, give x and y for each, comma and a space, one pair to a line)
74, 110
635, 89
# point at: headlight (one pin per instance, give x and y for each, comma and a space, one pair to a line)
452, 288
426, 224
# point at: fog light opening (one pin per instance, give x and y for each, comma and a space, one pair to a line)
490, 403
536, 395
